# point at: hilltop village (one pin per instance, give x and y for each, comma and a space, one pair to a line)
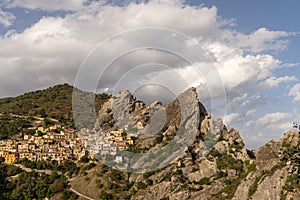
61, 143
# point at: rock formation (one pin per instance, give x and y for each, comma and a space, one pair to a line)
214, 163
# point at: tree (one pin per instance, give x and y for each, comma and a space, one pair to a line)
57, 186
106, 196
84, 159
43, 113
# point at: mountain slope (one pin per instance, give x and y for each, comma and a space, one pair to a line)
228, 171
54, 102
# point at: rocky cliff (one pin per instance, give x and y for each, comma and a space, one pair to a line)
213, 164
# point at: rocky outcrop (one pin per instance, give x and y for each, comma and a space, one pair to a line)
271, 186
207, 170
211, 162
268, 155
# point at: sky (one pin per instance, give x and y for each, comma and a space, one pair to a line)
246, 69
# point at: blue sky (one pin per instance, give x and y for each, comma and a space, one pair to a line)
255, 45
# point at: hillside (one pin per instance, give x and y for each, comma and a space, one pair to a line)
54, 102
213, 162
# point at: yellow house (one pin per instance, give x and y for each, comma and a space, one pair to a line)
42, 129
76, 153
117, 133
27, 137
52, 128
119, 138
129, 141
10, 157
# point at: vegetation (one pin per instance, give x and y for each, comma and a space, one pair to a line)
292, 182
141, 185
227, 161
254, 186
54, 102
42, 164
11, 125
116, 175
69, 167
106, 196
68, 195
84, 159
88, 167
29, 185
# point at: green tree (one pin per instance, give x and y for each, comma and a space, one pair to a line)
84, 159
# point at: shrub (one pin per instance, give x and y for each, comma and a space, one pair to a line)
68, 195
115, 175
254, 186
149, 182
203, 181
147, 174
89, 166
106, 196
158, 139
84, 159
141, 185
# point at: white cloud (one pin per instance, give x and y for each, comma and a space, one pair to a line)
231, 118
261, 40
6, 18
295, 92
271, 119
275, 82
54, 47
249, 123
53, 5
250, 113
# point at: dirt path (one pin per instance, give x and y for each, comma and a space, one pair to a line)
81, 195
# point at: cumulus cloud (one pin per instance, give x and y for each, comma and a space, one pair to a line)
272, 119
233, 117
53, 5
275, 82
295, 92
261, 40
6, 18
250, 113
53, 49
257, 132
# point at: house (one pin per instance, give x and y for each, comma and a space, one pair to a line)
129, 142
119, 159
54, 127
41, 129
27, 155
10, 157
27, 137
121, 145
23, 147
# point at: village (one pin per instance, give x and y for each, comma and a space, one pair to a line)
60, 143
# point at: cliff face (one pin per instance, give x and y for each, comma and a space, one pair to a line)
215, 165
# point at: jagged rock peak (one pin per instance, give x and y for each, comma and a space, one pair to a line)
124, 94
291, 138
233, 136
